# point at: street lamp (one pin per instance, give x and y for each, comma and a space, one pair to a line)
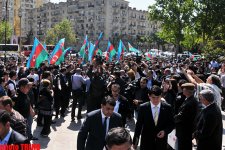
6, 19
39, 32
20, 16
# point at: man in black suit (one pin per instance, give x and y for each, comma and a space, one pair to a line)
121, 106
185, 119
94, 129
209, 131
7, 135
154, 123
60, 90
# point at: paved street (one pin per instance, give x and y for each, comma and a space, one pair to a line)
64, 134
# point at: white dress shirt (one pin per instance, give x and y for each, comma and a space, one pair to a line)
116, 108
153, 108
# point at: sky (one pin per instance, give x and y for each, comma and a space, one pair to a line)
139, 4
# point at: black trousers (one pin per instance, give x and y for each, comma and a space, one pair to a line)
77, 98
60, 102
185, 142
47, 123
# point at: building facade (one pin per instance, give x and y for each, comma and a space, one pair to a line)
18, 21
90, 17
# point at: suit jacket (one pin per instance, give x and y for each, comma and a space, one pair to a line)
123, 108
17, 139
145, 127
185, 119
210, 129
91, 131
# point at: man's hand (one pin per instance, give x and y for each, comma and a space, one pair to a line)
135, 101
161, 134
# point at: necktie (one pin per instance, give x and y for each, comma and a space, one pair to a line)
105, 125
156, 115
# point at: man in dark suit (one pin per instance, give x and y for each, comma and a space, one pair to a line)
185, 119
122, 105
209, 131
154, 123
141, 93
7, 135
93, 131
151, 81
60, 87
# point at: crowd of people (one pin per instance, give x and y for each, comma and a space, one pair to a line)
160, 94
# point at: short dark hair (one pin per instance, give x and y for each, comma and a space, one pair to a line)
109, 100
156, 90
216, 80
46, 74
5, 100
4, 117
12, 73
118, 136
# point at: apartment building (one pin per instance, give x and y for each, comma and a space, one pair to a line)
113, 17
13, 15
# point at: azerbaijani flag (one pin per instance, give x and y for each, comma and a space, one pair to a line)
110, 52
57, 52
90, 52
95, 50
132, 49
148, 56
85, 44
99, 52
121, 50
37, 55
62, 58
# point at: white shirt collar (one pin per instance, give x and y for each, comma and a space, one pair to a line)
153, 106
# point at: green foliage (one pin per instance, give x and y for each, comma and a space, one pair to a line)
214, 49
5, 25
191, 38
61, 30
209, 18
174, 16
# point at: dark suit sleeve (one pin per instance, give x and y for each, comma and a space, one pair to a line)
139, 125
83, 133
184, 114
170, 120
210, 123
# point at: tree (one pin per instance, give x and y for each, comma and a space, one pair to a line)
209, 18
29, 38
214, 49
174, 16
5, 25
191, 38
59, 31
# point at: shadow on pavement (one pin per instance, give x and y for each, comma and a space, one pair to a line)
75, 126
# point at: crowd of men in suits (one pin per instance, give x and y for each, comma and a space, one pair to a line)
161, 95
